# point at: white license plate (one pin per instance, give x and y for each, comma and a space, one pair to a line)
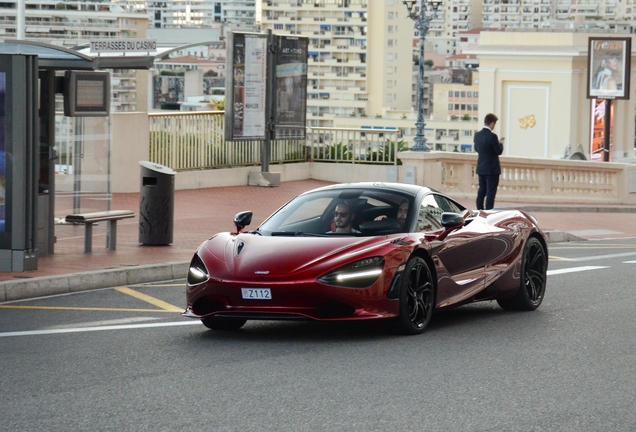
256, 293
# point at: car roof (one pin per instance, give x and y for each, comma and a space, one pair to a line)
377, 186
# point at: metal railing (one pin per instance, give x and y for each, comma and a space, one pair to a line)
196, 140
370, 146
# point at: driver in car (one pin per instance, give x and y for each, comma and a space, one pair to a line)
343, 218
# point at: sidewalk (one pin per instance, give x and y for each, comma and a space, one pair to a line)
200, 213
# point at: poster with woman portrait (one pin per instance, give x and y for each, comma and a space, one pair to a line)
609, 62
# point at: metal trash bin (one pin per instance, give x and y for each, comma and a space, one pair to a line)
156, 204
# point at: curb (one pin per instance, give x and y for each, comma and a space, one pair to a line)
76, 282
554, 236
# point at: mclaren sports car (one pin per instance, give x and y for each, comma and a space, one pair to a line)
364, 251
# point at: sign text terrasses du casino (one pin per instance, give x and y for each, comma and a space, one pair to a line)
123, 45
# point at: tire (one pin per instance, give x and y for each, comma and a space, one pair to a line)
417, 298
225, 324
534, 266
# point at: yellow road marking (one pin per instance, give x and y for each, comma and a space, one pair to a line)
86, 308
149, 299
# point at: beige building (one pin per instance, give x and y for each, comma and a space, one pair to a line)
457, 101
441, 134
536, 83
360, 55
72, 23
452, 18
541, 13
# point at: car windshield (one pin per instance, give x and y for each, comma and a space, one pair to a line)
342, 212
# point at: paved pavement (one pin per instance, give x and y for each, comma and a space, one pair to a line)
202, 212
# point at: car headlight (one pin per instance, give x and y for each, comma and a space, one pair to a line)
197, 272
358, 274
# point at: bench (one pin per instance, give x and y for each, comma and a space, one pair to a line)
88, 219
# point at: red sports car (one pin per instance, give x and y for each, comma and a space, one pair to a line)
367, 251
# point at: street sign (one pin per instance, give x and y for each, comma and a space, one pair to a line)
123, 45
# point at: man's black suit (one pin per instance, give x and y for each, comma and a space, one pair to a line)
488, 169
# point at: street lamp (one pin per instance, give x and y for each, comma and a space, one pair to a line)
422, 20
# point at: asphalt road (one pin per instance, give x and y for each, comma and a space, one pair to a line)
117, 360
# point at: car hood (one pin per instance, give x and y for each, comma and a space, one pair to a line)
249, 255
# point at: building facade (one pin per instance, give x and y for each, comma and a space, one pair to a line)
201, 13
536, 83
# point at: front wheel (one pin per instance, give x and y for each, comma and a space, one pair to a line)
227, 324
534, 267
417, 298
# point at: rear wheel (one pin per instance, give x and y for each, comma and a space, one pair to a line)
216, 323
417, 297
534, 266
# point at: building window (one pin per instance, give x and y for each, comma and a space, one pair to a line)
450, 94
469, 94
389, 56
467, 133
390, 42
475, 94
278, 26
456, 94
390, 29
457, 107
463, 94
450, 106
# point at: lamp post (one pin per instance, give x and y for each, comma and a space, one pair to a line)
422, 20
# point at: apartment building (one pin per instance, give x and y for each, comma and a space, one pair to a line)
360, 54
542, 13
75, 23
452, 18
72, 23
458, 98
201, 13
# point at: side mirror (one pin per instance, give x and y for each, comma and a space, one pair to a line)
452, 220
241, 220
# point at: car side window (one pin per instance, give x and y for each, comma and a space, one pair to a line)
447, 205
429, 216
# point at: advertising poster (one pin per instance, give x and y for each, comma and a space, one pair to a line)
3, 158
249, 72
597, 133
290, 87
609, 62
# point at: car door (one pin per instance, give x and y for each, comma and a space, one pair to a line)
458, 257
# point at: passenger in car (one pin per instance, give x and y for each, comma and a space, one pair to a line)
343, 218
403, 211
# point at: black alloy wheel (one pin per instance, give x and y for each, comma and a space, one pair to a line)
417, 298
534, 267
227, 324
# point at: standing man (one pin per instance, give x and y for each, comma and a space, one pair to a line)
488, 148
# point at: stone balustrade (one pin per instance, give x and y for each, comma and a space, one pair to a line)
525, 179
